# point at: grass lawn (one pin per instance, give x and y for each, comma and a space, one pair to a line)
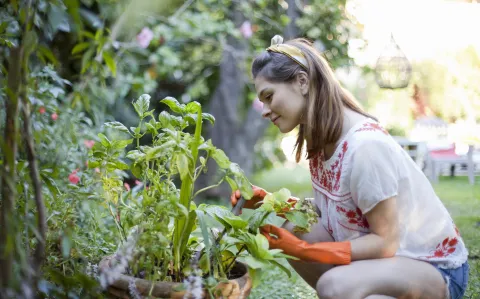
461, 199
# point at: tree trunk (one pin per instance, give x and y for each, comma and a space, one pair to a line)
234, 132
7, 237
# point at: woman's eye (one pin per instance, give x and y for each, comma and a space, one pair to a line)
268, 98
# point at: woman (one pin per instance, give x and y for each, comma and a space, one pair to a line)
382, 232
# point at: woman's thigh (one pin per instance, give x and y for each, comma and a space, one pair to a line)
311, 272
398, 277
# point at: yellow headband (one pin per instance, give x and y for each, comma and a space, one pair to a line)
293, 52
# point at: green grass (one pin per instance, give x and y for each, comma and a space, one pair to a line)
461, 199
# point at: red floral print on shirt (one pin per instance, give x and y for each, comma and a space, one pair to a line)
372, 127
354, 217
445, 248
328, 177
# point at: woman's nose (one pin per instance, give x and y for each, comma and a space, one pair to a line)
266, 111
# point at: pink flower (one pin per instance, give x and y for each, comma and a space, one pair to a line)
73, 177
137, 182
42, 110
246, 29
54, 116
257, 105
127, 186
145, 37
89, 143
97, 170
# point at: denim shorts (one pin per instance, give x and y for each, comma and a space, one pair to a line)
456, 280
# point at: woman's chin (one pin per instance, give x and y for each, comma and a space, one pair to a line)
285, 129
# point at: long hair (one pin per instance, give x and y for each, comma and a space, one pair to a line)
326, 98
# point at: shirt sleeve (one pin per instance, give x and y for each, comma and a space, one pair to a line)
375, 173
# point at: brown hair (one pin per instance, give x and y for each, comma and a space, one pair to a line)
325, 100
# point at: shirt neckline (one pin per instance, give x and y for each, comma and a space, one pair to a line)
344, 138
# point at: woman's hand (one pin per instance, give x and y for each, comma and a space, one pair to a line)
258, 195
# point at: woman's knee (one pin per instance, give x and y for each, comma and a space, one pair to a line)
332, 285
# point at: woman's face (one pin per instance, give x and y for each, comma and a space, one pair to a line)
283, 103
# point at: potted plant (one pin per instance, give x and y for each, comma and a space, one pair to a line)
170, 246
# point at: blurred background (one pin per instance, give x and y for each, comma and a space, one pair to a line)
413, 64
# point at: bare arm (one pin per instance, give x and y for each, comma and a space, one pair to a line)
383, 241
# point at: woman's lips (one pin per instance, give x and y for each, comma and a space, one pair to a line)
275, 119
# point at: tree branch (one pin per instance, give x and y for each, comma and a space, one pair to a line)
37, 186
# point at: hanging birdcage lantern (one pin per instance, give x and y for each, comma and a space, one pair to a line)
393, 70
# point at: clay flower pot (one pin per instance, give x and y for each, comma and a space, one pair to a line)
238, 287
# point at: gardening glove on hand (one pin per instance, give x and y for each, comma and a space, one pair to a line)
333, 253
258, 195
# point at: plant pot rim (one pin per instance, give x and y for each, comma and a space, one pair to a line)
165, 289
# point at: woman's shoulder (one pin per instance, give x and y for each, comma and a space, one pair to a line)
371, 134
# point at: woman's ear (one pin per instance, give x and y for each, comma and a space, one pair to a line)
302, 80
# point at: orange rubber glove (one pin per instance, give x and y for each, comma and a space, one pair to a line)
258, 195
333, 253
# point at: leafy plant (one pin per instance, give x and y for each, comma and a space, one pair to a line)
172, 230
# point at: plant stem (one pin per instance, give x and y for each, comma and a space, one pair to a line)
206, 188
235, 258
116, 222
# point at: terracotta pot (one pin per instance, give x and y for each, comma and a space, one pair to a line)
238, 288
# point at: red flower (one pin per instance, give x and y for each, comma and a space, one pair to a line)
73, 177
89, 143
137, 182
42, 110
54, 116
127, 186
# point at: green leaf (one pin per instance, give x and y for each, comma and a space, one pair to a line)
159, 151
253, 262
208, 117
164, 119
3, 26
93, 164
182, 165
66, 246
110, 63
46, 52
117, 165
80, 47
207, 146
222, 160
235, 222
298, 218
142, 104
283, 195
243, 184
173, 104
104, 140
193, 107
206, 237
121, 144
117, 126
284, 269
233, 185
87, 59
257, 219
135, 155
51, 185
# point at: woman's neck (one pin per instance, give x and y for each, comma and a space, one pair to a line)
350, 119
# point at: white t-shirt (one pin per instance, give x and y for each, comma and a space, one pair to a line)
369, 166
